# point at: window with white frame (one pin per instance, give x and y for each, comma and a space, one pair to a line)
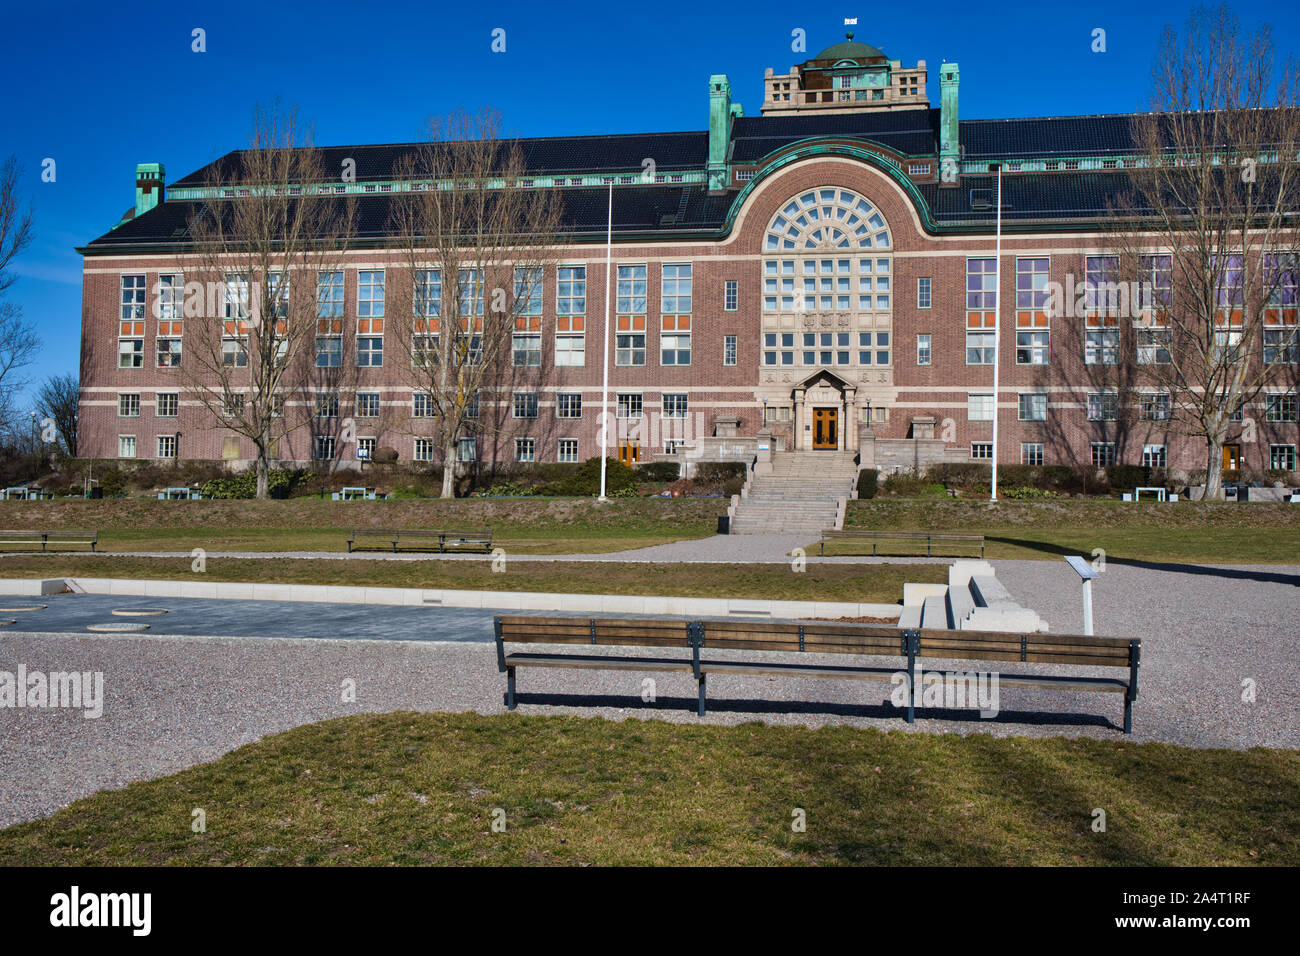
730, 295
1156, 406
923, 349
167, 404
675, 302
125, 446
728, 350
1031, 453
1280, 407
1103, 453
365, 449
232, 404
979, 406
525, 449
867, 355
981, 449
568, 449
524, 404
1103, 406
1033, 337
128, 405
323, 447
923, 292
1281, 457
327, 405
629, 405
528, 291
466, 449
166, 446
1153, 346
675, 405
571, 316
423, 405
1282, 309
329, 320
130, 340
1101, 346
630, 333
526, 349
424, 449
1153, 456
367, 404
170, 312
1032, 407
470, 292
427, 291
778, 348
981, 301
568, 405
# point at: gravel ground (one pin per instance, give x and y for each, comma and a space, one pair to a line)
172, 702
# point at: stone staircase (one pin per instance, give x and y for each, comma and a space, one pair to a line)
800, 496
972, 600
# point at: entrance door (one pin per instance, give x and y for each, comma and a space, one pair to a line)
1232, 458
826, 427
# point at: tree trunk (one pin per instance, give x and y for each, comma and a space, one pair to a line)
263, 475
1214, 469
449, 470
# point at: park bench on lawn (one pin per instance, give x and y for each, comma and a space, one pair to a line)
948, 543
29, 539
419, 540
857, 643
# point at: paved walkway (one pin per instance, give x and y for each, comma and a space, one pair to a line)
173, 702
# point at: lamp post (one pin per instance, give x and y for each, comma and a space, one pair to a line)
997, 332
604, 357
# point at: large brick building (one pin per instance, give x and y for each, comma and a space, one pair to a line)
823, 273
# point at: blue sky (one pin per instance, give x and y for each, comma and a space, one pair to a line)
101, 87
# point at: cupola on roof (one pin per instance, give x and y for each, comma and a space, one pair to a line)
849, 50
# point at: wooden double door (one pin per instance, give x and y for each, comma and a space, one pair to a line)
826, 428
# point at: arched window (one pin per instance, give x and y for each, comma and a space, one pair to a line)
827, 219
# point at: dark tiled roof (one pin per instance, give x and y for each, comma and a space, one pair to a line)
1028, 197
912, 132
1047, 136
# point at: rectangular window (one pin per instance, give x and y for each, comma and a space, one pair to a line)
370, 294
370, 351
367, 404
730, 295
981, 298
630, 334
570, 342
524, 449
323, 448
1103, 406
676, 287
923, 292
1281, 457
675, 348
166, 446
728, 350
631, 290
466, 449
675, 405
979, 406
1153, 456
629, 405
327, 405
125, 446
571, 290
1033, 407
1282, 346
568, 405
365, 449
170, 312
1101, 347
1103, 454
979, 348
1156, 406
329, 351
128, 405
130, 343
1153, 346
525, 404
424, 449
1032, 334
526, 349
923, 350
167, 404
469, 292
568, 450
981, 449
528, 291
1032, 348
423, 405
471, 406
1280, 408
1031, 453
233, 405
427, 291
329, 295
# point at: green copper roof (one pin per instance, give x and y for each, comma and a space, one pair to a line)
848, 50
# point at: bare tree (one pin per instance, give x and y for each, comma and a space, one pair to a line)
268, 232
476, 245
1209, 228
59, 398
18, 341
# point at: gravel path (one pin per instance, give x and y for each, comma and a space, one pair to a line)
172, 702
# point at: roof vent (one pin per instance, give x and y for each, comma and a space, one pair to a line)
981, 199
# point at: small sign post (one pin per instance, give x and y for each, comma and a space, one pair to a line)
1088, 574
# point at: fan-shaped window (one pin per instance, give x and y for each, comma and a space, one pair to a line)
827, 219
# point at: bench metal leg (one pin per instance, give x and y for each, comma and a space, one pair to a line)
703, 677
1128, 713
510, 688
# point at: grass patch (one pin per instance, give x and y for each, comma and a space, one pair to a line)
414, 789
1191, 532
877, 583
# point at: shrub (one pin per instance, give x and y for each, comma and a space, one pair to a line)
280, 484
958, 474
907, 486
585, 480
660, 471
720, 471
1022, 493
868, 483
113, 483
1128, 477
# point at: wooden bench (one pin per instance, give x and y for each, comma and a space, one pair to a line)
45, 538
434, 540
690, 638
931, 538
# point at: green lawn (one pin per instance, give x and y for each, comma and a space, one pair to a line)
876, 583
1193, 532
408, 788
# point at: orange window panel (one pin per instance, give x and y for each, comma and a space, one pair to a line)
1031, 320
979, 320
631, 323
425, 326
282, 327
1095, 320
1281, 317
570, 323
478, 325
677, 323
329, 326
170, 328
1229, 318
132, 328
528, 323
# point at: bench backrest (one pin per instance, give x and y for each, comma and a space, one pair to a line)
823, 637
72, 534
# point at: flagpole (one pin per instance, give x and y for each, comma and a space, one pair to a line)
604, 351
997, 340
